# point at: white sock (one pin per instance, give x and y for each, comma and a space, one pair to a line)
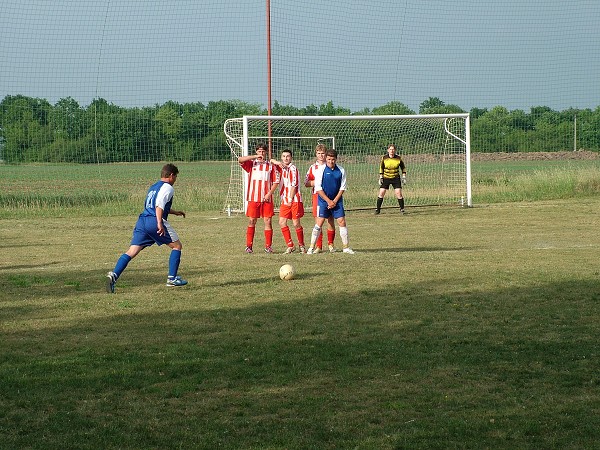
316, 231
344, 236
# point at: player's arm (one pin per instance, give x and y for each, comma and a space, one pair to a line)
176, 212
275, 178
159, 220
243, 159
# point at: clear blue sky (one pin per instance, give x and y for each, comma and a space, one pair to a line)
356, 53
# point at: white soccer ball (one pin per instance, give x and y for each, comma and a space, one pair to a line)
287, 272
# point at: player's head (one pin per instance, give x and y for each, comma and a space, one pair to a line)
169, 171
261, 150
320, 151
391, 149
286, 157
331, 158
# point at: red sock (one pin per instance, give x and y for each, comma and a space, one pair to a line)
319, 243
287, 236
250, 236
300, 235
268, 238
330, 236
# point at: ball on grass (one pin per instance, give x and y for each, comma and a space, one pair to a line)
287, 272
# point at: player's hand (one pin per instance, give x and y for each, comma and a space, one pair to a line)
404, 179
380, 181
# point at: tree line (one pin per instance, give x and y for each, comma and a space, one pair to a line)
33, 130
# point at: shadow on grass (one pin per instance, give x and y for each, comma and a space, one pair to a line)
418, 367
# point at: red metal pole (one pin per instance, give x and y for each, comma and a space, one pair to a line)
269, 110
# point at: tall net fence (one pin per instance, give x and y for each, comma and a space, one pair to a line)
104, 82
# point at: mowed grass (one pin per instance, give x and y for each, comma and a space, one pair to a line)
449, 328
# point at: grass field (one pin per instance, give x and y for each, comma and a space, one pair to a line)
449, 328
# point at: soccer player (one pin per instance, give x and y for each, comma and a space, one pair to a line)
152, 227
330, 184
389, 175
291, 206
263, 179
309, 181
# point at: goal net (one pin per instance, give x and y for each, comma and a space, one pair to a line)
434, 147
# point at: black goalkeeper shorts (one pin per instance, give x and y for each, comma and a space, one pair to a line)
393, 182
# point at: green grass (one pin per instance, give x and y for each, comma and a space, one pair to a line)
450, 328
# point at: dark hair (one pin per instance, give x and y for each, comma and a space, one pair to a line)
287, 150
261, 145
168, 170
331, 152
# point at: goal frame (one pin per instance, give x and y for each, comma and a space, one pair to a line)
242, 143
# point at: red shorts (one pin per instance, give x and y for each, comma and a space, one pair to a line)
293, 211
260, 209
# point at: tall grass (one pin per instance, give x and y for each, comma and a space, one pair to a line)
117, 189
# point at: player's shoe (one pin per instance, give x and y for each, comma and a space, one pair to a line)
402, 211
176, 281
377, 212
111, 280
317, 250
331, 248
310, 251
291, 249
302, 249
268, 249
249, 250
348, 250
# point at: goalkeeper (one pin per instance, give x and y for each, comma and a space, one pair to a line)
390, 169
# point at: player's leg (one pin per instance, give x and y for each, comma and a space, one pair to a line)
297, 214
284, 215
174, 259
340, 217
253, 213
380, 196
400, 198
316, 231
330, 233
315, 205
267, 213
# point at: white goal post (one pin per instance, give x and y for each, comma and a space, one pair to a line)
434, 147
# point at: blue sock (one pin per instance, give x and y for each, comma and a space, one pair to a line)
122, 264
174, 260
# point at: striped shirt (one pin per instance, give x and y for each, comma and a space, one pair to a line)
289, 181
262, 176
313, 171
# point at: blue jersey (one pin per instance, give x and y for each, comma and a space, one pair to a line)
331, 181
159, 194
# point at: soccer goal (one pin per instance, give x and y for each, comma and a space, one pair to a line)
434, 147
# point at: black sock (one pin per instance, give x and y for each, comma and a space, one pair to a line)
379, 203
401, 202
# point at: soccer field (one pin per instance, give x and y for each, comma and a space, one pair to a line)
450, 327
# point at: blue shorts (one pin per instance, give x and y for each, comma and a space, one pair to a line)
336, 212
145, 232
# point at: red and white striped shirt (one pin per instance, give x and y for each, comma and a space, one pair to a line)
289, 181
312, 171
262, 176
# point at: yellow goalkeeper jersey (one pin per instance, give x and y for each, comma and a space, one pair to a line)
391, 167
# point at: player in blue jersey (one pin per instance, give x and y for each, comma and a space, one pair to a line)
152, 227
330, 184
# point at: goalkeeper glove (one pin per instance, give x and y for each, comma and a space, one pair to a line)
403, 179
380, 181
